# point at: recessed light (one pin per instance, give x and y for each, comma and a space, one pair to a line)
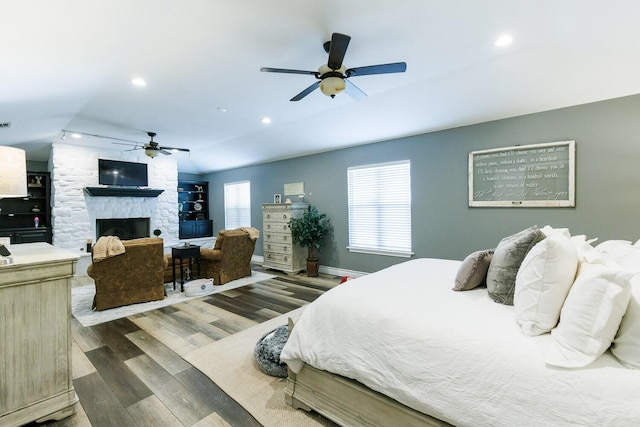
222, 109
76, 135
266, 120
137, 81
504, 40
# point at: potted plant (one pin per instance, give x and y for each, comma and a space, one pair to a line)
309, 231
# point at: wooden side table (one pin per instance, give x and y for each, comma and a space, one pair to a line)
181, 253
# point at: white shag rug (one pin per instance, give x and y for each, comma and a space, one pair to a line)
82, 298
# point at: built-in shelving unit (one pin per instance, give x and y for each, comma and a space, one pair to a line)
28, 219
193, 209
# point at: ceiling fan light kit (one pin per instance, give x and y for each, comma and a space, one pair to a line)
332, 82
333, 76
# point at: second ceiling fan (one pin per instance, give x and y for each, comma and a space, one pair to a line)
333, 77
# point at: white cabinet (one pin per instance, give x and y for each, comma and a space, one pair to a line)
35, 335
280, 252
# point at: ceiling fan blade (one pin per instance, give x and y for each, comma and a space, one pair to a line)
186, 150
396, 67
354, 91
337, 50
306, 92
287, 71
126, 143
163, 151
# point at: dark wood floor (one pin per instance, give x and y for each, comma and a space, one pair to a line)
129, 372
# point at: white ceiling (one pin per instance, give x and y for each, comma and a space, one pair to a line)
67, 64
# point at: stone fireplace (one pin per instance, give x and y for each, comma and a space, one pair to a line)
75, 213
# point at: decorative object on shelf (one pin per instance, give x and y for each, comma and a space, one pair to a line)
197, 206
13, 172
198, 188
310, 232
36, 222
35, 209
180, 207
277, 198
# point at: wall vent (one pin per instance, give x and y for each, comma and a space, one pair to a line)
5, 125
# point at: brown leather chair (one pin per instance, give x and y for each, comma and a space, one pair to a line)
230, 258
132, 277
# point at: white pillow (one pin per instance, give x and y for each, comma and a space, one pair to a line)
583, 246
590, 316
549, 230
543, 282
626, 345
620, 252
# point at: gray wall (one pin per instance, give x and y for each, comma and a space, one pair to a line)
607, 176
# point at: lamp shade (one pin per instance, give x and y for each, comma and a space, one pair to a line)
13, 172
150, 153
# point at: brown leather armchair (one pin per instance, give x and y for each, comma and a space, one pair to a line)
132, 277
230, 257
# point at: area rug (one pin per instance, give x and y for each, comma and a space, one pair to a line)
82, 298
230, 364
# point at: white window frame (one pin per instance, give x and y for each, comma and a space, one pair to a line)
379, 205
237, 206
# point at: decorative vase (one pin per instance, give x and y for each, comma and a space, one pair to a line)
312, 267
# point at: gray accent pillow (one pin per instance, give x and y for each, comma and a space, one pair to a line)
473, 270
508, 255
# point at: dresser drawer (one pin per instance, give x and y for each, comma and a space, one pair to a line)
277, 215
281, 227
272, 237
278, 248
278, 258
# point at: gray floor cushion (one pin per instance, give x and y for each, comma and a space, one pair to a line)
267, 352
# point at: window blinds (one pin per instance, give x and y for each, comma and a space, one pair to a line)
380, 208
237, 205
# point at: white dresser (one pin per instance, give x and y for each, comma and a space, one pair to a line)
280, 253
35, 335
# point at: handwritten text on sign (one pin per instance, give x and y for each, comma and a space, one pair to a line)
531, 175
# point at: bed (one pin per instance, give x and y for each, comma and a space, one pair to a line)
400, 346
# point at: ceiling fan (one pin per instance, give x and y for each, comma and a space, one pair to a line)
332, 77
151, 148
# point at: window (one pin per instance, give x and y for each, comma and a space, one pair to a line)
380, 208
237, 205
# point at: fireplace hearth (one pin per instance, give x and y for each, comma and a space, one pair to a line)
124, 228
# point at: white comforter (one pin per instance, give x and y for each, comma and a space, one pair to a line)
457, 356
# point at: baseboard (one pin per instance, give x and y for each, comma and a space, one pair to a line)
257, 259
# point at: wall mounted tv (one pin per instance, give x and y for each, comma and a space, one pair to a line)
122, 174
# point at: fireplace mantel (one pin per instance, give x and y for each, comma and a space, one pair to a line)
122, 192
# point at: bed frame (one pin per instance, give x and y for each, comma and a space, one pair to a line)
348, 402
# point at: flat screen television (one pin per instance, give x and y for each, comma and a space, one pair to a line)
123, 174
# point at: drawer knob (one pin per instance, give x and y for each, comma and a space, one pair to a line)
268, 216
268, 225
284, 216
286, 258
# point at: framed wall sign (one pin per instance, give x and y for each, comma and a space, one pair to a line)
537, 175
